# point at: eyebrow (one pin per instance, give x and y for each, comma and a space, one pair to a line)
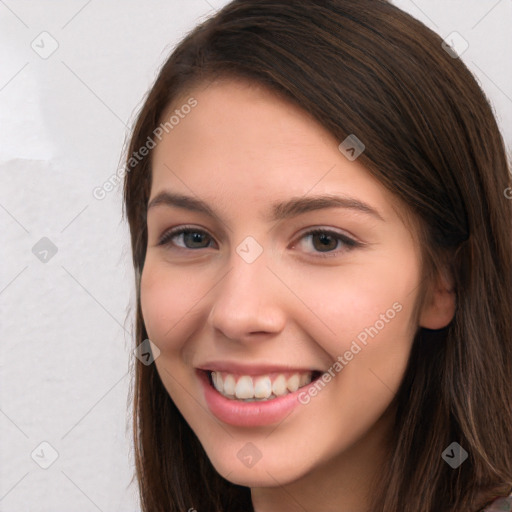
279, 211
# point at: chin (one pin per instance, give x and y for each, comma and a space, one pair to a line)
266, 472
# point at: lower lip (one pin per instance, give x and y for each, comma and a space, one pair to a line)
248, 414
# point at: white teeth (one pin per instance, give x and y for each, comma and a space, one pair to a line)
217, 380
279, 385
262, 387
244, 387
293, 383
229, 385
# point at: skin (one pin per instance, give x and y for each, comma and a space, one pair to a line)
241, 149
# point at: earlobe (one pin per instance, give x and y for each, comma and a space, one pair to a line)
439, 307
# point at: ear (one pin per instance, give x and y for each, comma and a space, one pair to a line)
439, 306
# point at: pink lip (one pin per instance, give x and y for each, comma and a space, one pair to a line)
248, 414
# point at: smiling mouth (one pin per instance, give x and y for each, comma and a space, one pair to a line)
259, 388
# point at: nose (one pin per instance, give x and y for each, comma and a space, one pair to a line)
248, 300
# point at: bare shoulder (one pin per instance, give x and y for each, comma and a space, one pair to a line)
500, 505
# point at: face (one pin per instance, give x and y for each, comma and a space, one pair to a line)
255, 283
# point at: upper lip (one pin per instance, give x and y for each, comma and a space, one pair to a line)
251, 369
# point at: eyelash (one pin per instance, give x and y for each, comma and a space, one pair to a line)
347, 241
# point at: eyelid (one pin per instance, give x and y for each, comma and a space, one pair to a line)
349, 241
325, 229
177, 230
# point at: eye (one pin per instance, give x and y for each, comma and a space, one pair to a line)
190, 237
327, 241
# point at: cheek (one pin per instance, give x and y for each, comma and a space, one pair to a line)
168, 297
369, 301
372, 318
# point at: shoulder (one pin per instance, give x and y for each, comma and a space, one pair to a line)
500, 505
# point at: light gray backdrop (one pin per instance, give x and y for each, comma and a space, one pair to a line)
72, 74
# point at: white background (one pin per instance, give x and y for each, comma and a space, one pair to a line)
66, 324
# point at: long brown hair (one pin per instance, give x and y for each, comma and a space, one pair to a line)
364, 67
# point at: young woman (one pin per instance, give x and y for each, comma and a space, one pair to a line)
319, 203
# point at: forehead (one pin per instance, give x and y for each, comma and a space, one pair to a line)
243, 140
249, 113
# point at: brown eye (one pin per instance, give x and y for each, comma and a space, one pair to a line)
327, 241
190, 238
